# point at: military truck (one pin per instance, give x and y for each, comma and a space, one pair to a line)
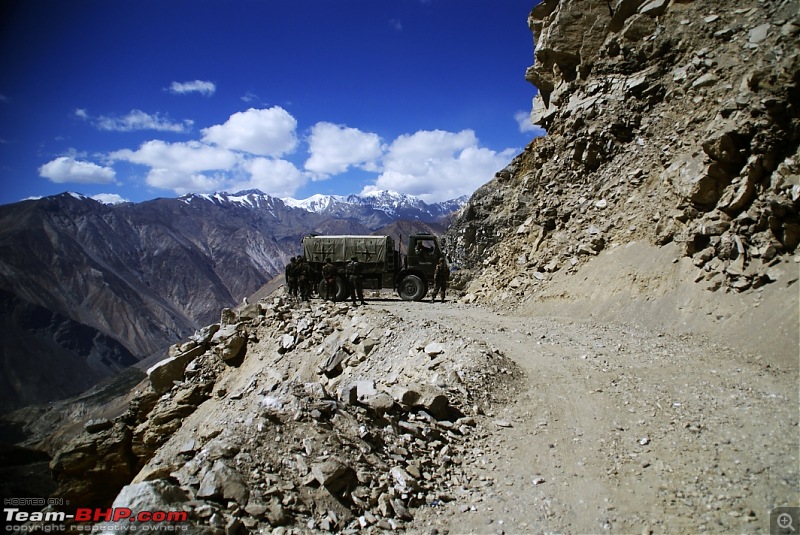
409, 274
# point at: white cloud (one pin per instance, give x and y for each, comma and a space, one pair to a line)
181, 167
135, 120
247, 150
250, 97
523, 119
264, 132
335, 148
189, 157
65, 169
195, 167
278, 178
197, 86
438, 165
109, 198
182, 182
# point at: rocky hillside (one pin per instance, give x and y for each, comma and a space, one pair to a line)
668, 122
321, 416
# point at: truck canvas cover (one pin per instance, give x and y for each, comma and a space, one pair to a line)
368, 249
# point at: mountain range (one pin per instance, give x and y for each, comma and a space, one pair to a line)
88, 288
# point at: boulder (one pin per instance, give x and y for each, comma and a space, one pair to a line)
232, 347
356, 391
100, 424
222, 482
695, 179
228, 317
654, 8
403, 480
380, 402
333, 364
425, 397
286, 343
433, 349
203, 336
156, 495
334, 475
163, 374
250, 312
93, 467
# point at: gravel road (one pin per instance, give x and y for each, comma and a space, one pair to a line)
618, 429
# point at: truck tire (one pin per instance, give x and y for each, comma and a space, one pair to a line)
342, 289
340, 294
412, 288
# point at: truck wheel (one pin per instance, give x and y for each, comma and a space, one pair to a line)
342, 289
340, 293
412, 288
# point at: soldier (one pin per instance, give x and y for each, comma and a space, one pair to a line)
291, 277
440, 277
303, 276
329, 274
423, 252
353, 271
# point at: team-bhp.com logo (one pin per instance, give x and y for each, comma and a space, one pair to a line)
94, 519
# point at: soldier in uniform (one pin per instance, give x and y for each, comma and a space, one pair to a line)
440, 277
329, 274
353, 271
303, 276
291, 277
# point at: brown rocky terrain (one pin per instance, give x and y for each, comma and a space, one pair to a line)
451, 417
623, 355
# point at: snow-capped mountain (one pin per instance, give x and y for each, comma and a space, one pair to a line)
377, 208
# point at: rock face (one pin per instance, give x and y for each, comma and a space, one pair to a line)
666, 122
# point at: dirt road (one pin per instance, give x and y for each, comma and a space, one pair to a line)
618, 429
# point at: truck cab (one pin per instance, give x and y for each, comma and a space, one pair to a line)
422, 254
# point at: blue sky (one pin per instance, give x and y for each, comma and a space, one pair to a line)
141, 99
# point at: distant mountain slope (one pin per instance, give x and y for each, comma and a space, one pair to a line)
145, 275
45, 355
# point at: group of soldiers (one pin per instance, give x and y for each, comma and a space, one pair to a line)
300, 280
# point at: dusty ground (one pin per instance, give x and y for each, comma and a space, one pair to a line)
620, 429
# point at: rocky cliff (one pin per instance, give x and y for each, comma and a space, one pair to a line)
668, 122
